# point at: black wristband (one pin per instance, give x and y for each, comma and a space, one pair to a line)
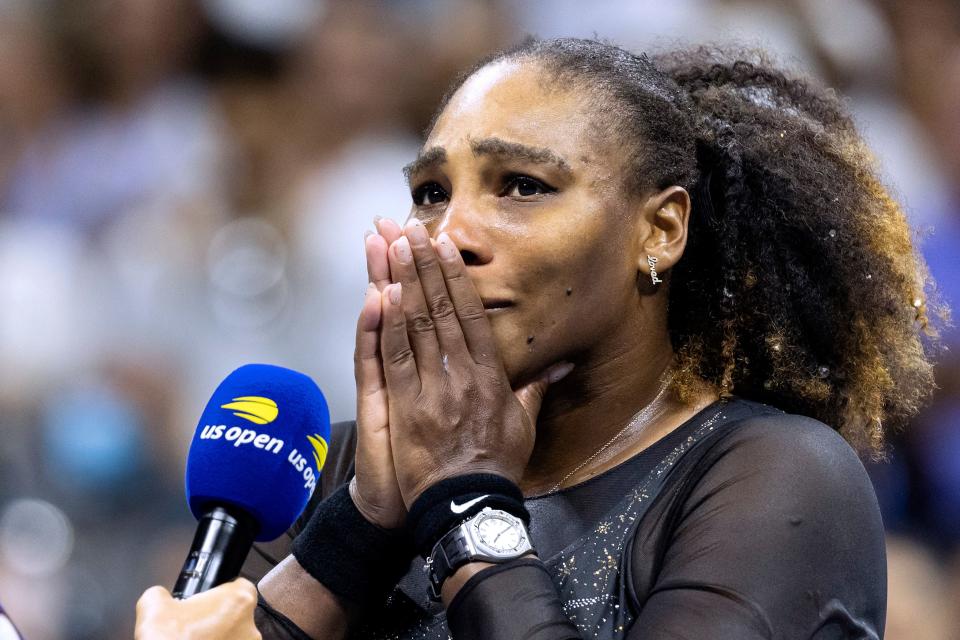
350, 556
449, 502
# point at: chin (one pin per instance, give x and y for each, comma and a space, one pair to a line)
521, 360
522, 365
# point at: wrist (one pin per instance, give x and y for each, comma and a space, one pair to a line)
352, 557
446, 504
372, 514
465, 524
453, 584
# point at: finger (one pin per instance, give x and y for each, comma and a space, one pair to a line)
151, 599
226, 611
367, 366
243, 593
378, 268
420, 326
469, 308
399, 364
367, 369
531, 394
366, 357
387, 228
439, 305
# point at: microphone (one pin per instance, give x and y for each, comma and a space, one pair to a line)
253, 465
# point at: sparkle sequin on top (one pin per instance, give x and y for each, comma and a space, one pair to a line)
588, 573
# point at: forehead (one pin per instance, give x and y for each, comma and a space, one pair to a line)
518, 102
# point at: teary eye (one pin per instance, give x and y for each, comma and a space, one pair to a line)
525, 186
428, 194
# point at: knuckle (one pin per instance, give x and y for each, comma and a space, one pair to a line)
420, 323
360, 359
245, 595
397, 321
471, 311
457, 276
458, 279
369, 393
362, 374
441, 307
401, 357
149, 597
455, 414
428, 261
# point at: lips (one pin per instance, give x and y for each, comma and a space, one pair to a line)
490, 304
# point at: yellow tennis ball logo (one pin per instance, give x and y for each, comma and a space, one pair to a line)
253, 408
319, 450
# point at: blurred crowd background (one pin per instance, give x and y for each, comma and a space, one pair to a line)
184, 187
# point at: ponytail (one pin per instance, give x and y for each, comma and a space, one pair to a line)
813, 299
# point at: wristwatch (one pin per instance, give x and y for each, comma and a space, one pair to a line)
490, 536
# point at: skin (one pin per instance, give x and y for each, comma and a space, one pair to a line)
223, 613
515, 200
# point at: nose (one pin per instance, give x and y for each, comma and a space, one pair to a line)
469, 230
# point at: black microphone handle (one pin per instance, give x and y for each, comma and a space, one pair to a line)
223, 540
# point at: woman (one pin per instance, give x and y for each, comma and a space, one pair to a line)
631, 296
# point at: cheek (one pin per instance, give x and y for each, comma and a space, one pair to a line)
571, 298
576, 305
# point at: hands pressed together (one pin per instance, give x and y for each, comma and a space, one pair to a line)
433, 398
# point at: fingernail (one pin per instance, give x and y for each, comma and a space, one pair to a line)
367, 234
417, 232
394, 293
402, 250
445, 247
370, 288
559, 372
376, 220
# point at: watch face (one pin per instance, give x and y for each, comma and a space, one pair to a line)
499, 534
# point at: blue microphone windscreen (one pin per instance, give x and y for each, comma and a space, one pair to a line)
260, 445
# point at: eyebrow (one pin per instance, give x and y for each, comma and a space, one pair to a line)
513, 150
497, 147
433, 157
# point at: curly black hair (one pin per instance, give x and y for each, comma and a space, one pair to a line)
800, 285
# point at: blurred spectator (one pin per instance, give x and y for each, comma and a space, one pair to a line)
918, 601
319, 143
928, 55
33, 89
142, 130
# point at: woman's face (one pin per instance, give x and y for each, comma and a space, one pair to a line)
516, 174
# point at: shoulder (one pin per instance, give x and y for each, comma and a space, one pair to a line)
786, 484
778, 512
776, 480
776, 445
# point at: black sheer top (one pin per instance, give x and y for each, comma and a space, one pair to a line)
744, 522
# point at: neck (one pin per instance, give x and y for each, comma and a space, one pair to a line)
582, 412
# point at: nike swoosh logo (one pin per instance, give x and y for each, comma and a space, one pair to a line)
460, 508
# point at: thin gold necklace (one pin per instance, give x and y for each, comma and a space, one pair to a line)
642, 416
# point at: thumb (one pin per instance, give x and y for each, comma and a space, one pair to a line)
153, 598
530, 395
